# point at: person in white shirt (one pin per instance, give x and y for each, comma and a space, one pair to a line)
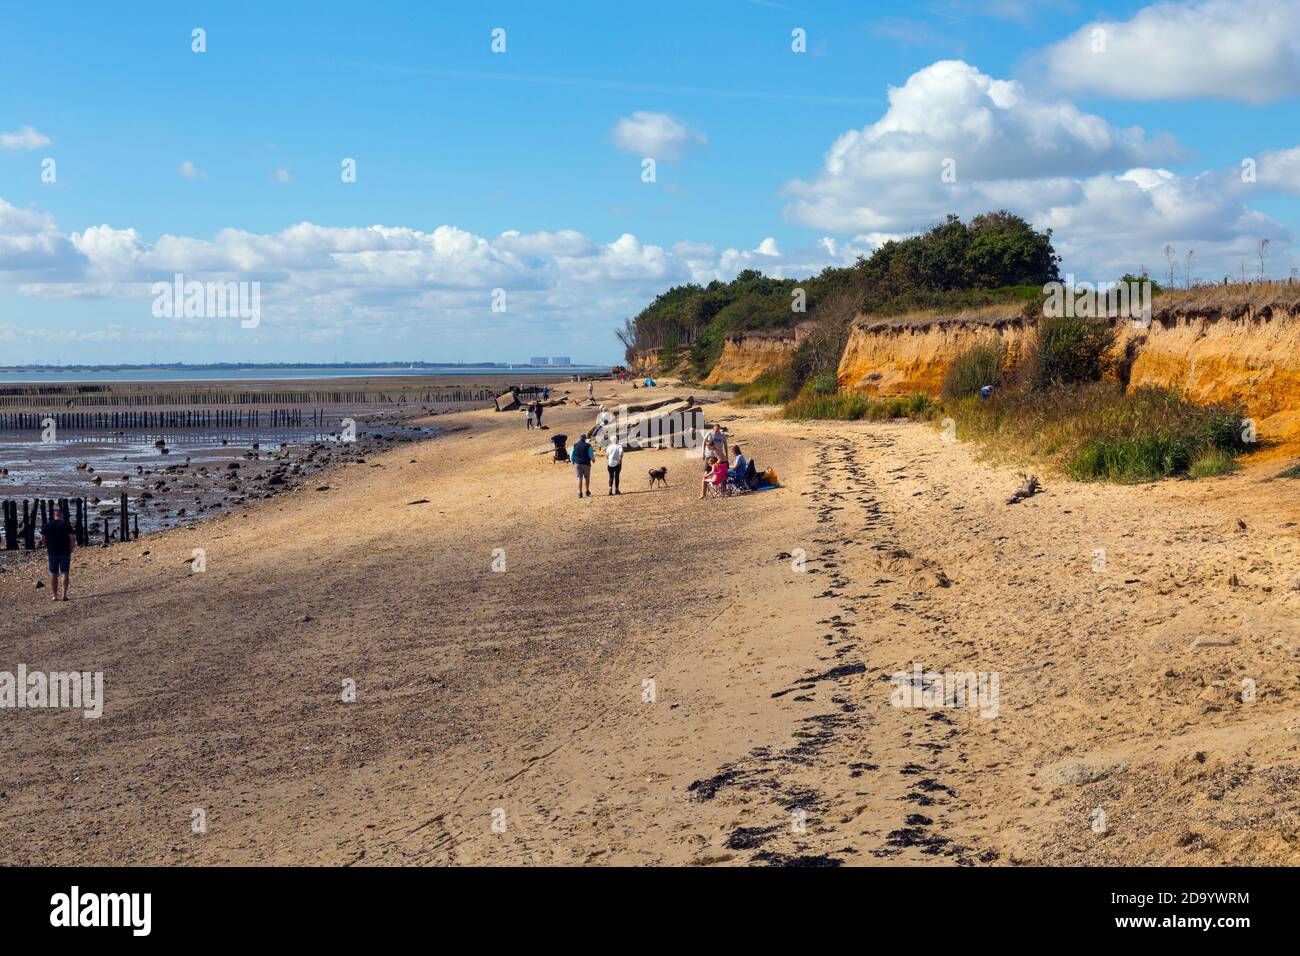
719, 440
614, 463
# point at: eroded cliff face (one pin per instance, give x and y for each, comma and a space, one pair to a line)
903, 358
646, 362
747, 355
1252, 358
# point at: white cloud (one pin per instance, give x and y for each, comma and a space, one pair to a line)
1117, 224
656, 135
1247, 50
25, 138
1102, 190
190, 171
1279, 169
998, 140
282, 175
32, 245
390, 283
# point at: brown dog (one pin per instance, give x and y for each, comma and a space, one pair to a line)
658, 474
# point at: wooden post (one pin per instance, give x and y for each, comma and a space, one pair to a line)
11, 525
29, 526
125, 533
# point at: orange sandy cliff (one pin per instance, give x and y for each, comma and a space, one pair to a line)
1249, 355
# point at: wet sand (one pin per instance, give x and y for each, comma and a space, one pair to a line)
198, 471
658, 679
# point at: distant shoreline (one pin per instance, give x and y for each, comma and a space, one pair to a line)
146, 374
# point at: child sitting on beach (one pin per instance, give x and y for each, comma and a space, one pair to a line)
717, 477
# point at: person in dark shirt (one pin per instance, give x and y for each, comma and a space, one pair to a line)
59, 541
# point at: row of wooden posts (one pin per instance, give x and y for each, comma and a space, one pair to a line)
180, 418
36, 512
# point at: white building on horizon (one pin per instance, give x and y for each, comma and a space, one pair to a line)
560, 360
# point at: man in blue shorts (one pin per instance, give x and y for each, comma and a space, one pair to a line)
582, 456
59, 541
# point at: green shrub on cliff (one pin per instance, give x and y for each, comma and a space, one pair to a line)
1070, 350
997, 257
1099, 432
970, 371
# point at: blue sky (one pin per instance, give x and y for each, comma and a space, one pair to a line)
448, 134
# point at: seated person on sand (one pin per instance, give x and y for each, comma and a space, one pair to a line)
737, 471
717, 477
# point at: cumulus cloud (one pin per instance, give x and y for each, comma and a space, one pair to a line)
282, 176
25, 138
390, 282
190, 171
656, 135
1117, 224
1247, 50
1104, 191
1279, 169
954, 138
32, 245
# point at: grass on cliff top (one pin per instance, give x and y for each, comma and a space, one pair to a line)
1233, 299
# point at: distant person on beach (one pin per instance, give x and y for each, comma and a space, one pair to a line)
59, 542
582, 456
528, 415
546, 393
591, 391
614, 464
537, 412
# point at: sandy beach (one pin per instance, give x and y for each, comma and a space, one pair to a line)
658, 679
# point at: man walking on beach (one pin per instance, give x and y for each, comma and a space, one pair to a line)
614, 464
59, 542
582, 456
